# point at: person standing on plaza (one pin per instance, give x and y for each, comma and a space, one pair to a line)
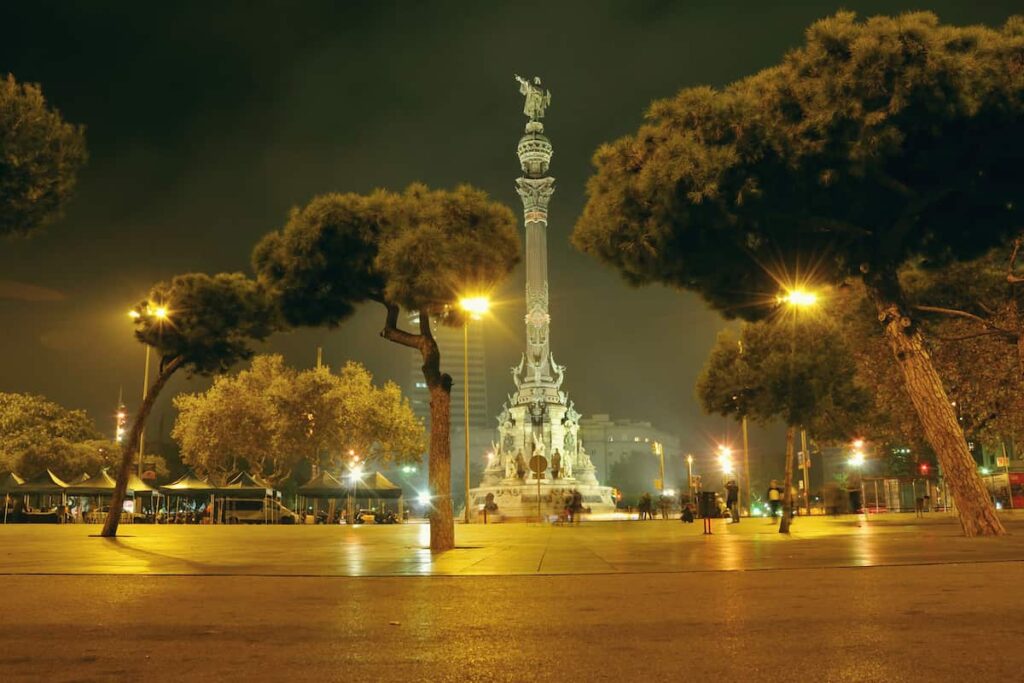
732, 494
577, 506
774, 498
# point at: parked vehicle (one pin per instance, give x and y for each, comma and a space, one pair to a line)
257, 512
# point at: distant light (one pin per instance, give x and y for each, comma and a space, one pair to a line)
423, 498
857, 459
160, 313
670, 492
134, 315
984, 470
858, 444
999, 505
356, 473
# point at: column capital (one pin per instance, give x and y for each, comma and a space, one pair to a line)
535, 193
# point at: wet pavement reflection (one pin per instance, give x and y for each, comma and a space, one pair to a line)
619, 547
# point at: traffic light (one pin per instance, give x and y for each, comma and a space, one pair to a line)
924, 468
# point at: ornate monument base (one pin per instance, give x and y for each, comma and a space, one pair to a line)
516, 499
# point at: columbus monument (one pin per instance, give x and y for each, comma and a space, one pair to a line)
538, 424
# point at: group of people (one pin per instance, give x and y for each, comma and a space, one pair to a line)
646, 506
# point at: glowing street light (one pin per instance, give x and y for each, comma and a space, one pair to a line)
476, 307
799, 298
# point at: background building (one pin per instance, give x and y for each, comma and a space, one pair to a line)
621, 451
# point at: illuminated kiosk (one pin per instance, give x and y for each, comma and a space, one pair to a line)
538, 419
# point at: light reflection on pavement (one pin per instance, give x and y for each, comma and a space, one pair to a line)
499, 549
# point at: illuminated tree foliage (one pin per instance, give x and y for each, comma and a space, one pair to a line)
40, 156
874, 144
418, 250
269, 418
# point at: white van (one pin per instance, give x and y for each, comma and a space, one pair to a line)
259, 511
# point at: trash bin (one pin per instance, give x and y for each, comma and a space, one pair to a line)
707, 505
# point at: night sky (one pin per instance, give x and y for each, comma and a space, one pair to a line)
207, 121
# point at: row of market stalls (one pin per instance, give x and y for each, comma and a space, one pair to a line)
322, 494
244, 498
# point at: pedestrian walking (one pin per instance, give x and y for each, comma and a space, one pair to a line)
774, 498
732, 500
577, 506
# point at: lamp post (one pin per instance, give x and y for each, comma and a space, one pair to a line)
796, 299
659, 452
689, 476
857, 461
161, 314
474, 308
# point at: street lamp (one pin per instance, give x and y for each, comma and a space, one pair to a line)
689, 476
857, 461
475, 307
796, 299
161, 315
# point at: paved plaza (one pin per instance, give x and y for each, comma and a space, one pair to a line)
892, 598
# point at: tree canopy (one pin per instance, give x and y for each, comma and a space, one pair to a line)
36, 433
40, 156
269, 418
420, 249
802, 374
875, 142
209, 322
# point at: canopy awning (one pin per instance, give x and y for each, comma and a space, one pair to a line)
140, 487
9, 481
101, 485
47, 482
323, 485
376, 485
245, 485
189, 484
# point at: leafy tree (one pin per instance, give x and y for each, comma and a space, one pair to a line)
269, 418
803, 374
203, 324
876, 143
40, 156
417, 251
36, 433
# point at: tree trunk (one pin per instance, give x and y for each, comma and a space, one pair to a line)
439, 474
787, 493
442, 522
938, 419
131, 448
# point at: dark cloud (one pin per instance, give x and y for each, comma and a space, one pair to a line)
26, 291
